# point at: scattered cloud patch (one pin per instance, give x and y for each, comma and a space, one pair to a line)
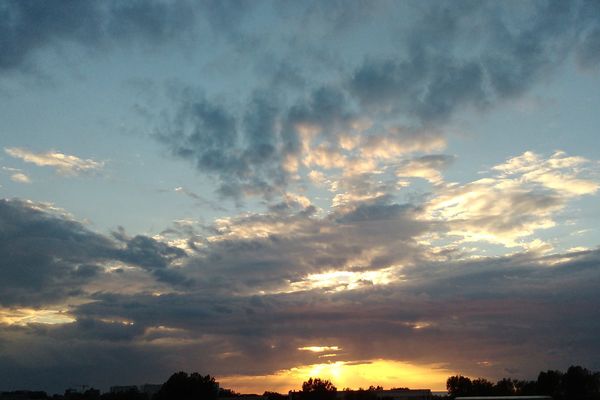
64, 164
16, 175
20, 177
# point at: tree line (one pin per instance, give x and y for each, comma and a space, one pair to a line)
577, 383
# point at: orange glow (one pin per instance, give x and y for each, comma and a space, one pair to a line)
318, 349
24, 316
387, 373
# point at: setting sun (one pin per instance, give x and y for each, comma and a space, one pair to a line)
354, 375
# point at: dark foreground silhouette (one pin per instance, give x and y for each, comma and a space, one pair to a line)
577, 383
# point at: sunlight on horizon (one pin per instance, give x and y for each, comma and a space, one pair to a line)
386, 373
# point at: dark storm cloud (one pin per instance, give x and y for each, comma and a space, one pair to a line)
46, 257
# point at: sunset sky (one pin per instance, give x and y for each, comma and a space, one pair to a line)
373, 192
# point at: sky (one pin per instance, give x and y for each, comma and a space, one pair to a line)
372, 192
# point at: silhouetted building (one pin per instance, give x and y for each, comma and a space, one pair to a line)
23, 395
86, 392
150, 389
124, 389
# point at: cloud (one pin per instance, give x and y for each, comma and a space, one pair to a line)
63, 163
427, 167
208, 134
463, 312
16, 175
255, 150
200, 200
380, 108
559, 173
48, 257
86, 23
262, 147
526, 195
20, 178
266, 284
439, 77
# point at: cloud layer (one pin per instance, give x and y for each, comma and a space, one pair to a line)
261, 145
364, 280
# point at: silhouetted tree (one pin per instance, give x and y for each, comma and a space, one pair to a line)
227, 393
504, 387
525, 388
482, 387
318, 389
181, 386
274, 396
459, 385
579, 383
362, 394
549, 383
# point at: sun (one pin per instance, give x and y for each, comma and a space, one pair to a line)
346, 374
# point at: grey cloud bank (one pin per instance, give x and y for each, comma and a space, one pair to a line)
47, 258
486, 309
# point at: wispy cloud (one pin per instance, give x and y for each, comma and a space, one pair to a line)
64, 164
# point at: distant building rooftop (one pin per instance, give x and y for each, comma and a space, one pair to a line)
22, 395
124, 389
